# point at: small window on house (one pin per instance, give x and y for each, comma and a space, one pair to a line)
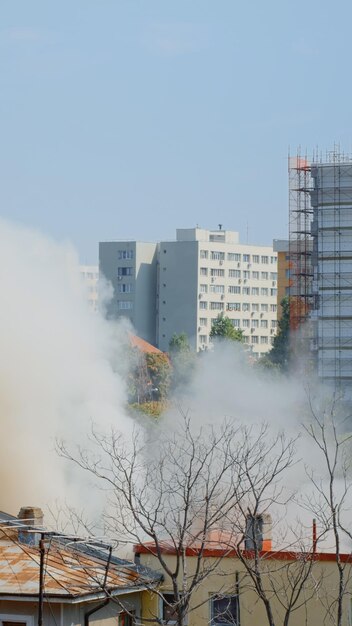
169, 614
224, 611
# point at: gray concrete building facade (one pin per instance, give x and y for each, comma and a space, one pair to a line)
130, 267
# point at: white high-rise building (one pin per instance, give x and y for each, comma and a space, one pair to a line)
205, 273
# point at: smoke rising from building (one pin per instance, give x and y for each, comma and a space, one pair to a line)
56, 368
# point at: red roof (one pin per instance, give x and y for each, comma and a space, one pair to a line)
142, 345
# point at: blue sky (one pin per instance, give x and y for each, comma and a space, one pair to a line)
129, 118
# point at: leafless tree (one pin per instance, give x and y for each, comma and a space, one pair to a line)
282, 580
169, 492
331, 501
179, 491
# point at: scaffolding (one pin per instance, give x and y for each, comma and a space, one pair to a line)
320, 252
300, 258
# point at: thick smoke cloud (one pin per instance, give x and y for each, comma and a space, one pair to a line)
57, 372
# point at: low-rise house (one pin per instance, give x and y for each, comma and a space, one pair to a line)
52, 579
302, 586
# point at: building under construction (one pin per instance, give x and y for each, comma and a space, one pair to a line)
320, 251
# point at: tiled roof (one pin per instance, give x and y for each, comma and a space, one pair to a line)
142, 345
68, 572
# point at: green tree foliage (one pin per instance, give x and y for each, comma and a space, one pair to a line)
179, 343
280, 353
223, 328
159, 371
183, 360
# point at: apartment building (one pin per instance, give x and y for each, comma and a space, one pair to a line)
130, 267
204, 273
90, 278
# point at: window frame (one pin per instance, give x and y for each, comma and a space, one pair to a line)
215, 597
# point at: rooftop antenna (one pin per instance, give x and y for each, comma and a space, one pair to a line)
220, 226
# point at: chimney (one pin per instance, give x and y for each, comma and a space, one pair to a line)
31, 516
258, 532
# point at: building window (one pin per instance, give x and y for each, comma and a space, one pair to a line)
203, 305
246, 274
255, 323
255, 291
125, 254
169, 612
264, 308
125, 271
273, 292
217, 306
255, 307
203, 271
273, 275
255, 258
265, 275
203, 321
273, 308
234, 289
217, 289
224, 611
264, 291
255, 339
264, 340
204, 254
246, 323
273, 259
234, 273
203, 288
263, 323
245, 339
246, 291
236, 323
233, 256
246, 306
125, 305
255, 275
246, 258
125, 288
273, 323
217, 256
265, 260
234, 306
202, 339
217, 272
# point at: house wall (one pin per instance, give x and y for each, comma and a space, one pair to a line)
223, 580
57, 614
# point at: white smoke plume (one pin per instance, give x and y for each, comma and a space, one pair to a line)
57, 372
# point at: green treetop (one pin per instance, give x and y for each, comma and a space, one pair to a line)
223, 328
